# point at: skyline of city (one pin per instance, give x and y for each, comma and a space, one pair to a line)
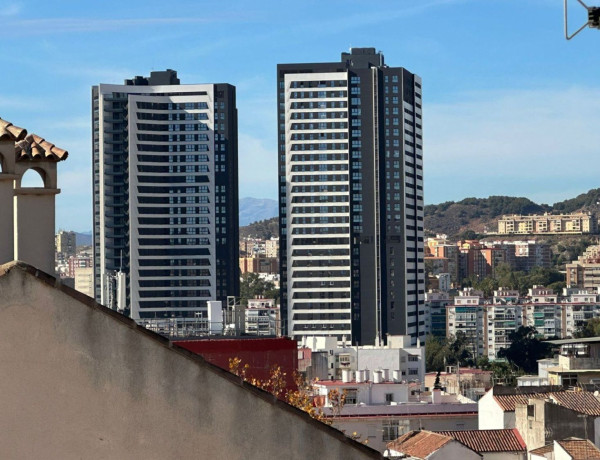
501, 81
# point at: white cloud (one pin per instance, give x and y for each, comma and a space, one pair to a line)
257, 168
43, 26
515, 142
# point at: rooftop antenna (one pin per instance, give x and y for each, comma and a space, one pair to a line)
593, 21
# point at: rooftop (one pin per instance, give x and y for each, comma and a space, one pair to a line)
583, 402
10, 132
580, 449
508, 440
542, 450
407, 410
32, 146
573, 341
419, 444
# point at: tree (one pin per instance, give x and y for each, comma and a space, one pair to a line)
434, 353
252, 285
525, 349
440, 352
504, 373
591, 328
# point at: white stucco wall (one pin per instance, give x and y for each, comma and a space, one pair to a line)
491, 416
454, 451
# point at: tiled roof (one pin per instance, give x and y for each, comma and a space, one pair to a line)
489, 440
10, 132
508, 403
580, 449
33, 147
419, 444
542, 450
581, 401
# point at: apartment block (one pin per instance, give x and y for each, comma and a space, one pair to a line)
65, 244
576, 223
351, 199
487, 323
165, 187
585, 271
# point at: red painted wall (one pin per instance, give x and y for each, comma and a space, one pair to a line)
261, 354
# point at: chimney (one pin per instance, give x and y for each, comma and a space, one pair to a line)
360, 376
377, 376
345, 375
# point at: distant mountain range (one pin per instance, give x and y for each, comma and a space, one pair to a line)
256, 209
451, 218
84, 239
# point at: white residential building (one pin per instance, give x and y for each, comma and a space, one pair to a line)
165, 195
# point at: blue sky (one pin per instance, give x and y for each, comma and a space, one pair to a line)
510, 107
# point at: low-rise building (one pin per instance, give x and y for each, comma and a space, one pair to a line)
403, 361
566, 449
472, 383
262, 317
567, 413
427, 445
497, 407
578, 362
492, 444
381, 423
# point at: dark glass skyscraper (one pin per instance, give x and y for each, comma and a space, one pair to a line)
351, 199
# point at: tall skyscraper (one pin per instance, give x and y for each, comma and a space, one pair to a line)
351, 199
165, 195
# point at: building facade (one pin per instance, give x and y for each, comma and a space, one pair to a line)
165, 195
487, 324
65, 244
351, 199
576, 223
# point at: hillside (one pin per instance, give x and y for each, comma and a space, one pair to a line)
264, 229
481, 214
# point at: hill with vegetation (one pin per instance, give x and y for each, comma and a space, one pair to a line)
480, 215
263, 229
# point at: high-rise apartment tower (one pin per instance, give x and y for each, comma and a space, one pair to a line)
165, 195
351, 199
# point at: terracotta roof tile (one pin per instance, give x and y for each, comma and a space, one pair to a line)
34, 147
543, 450
581, 401
508, 440
419, 444
508, 403
10, 132
580, 449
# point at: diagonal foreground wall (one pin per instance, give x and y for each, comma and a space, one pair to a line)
81, 381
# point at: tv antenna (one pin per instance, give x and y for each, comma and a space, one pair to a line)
593, 21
